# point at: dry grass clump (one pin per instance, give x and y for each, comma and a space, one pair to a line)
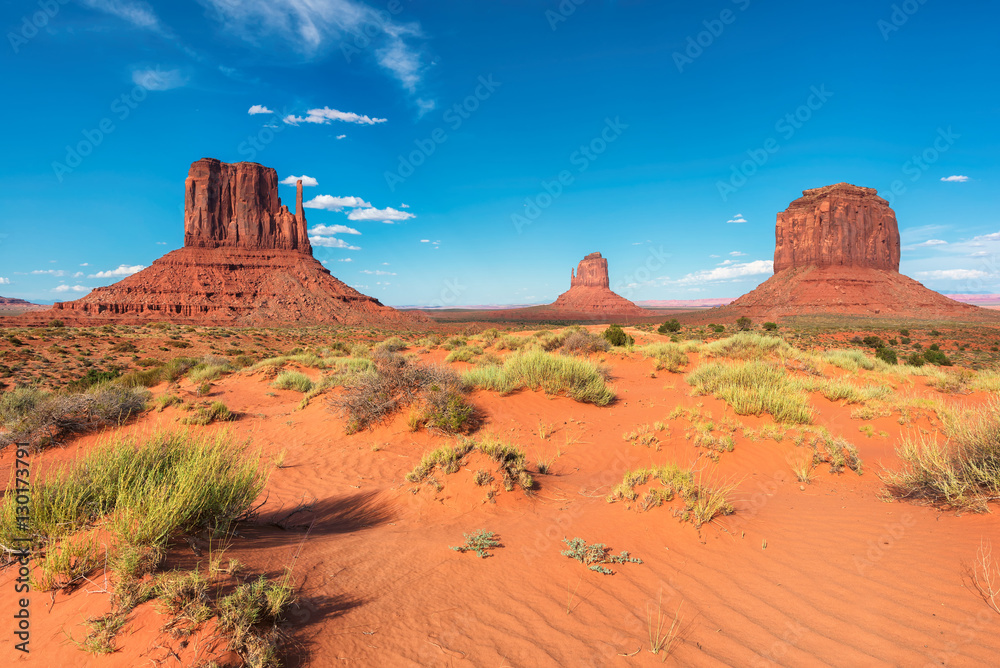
753, 388
849, 360
669, 356
293, 380
40, 418
392, 382
578, 341
961, 473
511, 462
553, 374
701, 502
749, 346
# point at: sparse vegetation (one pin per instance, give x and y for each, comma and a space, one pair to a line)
480, 542
535, 369
595, 555
753, 388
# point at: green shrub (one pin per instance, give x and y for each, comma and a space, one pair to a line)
743, 323
616, 336
206, 415
56, 323
669, 326
595, 555
887, 355
872, 342
91, 378
770, 326
936, 357
480, 542
583, 342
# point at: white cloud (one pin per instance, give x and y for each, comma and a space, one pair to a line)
71, 288
259, 109
956, 178
933, 242
404, 206
736, 254
386, 215
953, 274
157, 79
4, 281
332, 242
139, 14
738, 218
341, 136
78, 274
312, 27
331, 203
378, 272
326, 114
330, 230
307, 181
49, 272
158, 243
425, 241
122, 270
734, 271
84, 264
346, 259
713, 256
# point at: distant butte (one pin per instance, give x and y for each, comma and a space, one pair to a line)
590, 292
837, 252
246, 261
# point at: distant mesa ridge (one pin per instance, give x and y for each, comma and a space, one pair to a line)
246, 261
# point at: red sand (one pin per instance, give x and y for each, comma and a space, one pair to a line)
825, 575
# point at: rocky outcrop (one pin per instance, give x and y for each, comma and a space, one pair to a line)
837, 226
592, 272
837, 253
246, 261
237, 206
590, 293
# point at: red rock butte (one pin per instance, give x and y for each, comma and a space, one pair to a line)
590, 293
246, 261
836, 251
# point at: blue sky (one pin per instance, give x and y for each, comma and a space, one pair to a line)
474, 152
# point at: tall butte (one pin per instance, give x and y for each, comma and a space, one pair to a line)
246, 260
590, 293
836, 251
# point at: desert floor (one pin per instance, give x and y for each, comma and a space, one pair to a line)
833, 571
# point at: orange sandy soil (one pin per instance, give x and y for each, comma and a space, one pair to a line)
800, 575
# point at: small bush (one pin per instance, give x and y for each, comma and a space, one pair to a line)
56, 323
553, 374
669, 326
743, 323
887, 355
293, 380
595, 555
616, 336
752, 388
480, 542
206, 415
770, 326
582, 342
872, 342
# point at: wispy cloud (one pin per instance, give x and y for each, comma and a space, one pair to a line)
259, 109
736, 253
729, 272
341, 136
4, 281
738, 218
121, 271
307, 181
71, 288
157, 79
933, 242
331, 242
48, 272
330, 230
313, 27
378, 272
387, 215
953, 274
956, 178
326, 114
138, 13
331, 203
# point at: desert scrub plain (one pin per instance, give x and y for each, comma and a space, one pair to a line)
733, 494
